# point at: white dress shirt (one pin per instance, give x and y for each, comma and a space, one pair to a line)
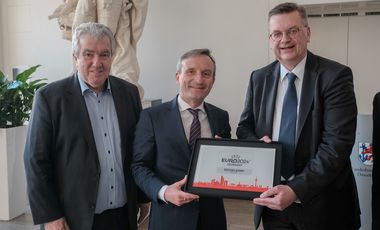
299, 71
187, 119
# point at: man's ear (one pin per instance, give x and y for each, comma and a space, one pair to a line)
177, 77
308, 34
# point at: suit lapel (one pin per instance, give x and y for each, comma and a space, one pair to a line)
211, 117
124, 115
307, 93
74, 95
270, 86
216, 127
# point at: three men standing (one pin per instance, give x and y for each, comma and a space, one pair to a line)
82, 130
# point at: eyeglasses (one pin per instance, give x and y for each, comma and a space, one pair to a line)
277, 36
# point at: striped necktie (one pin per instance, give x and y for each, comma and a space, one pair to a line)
195, 128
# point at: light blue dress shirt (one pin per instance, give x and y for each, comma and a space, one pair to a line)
105, 127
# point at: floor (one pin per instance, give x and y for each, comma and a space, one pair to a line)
239, 217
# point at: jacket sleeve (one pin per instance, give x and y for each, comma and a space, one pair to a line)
144, 156
334, 116
44, 203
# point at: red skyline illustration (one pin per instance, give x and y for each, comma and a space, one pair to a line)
224, 184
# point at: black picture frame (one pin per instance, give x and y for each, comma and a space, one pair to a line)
230, 168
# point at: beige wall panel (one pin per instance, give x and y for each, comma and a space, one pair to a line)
351, 41
363, 57
329, 37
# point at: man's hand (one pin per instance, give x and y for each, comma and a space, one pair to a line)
175, 195
277, 198
144, 210
59, 224
266, 139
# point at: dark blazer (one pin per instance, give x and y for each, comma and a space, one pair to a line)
161, 157
376, 163
61, 160
325, 135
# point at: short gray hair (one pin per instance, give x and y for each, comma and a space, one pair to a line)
289, 7
195, 52
95, 30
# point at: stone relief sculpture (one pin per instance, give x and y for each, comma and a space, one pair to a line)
65, 15
125, 18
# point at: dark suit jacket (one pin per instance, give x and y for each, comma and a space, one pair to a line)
161, 157
376, 163
61, 159
325, 135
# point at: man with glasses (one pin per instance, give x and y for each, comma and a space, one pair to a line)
307, 103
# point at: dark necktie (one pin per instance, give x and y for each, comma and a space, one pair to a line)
195, 128
288, 128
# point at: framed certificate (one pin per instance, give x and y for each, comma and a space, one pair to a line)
233, 168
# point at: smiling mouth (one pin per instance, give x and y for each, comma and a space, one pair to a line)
287, 48
96, 71
197, 88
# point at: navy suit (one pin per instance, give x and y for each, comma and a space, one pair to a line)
162, 156
325, 135
61, 160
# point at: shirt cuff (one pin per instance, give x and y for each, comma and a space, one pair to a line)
161, 193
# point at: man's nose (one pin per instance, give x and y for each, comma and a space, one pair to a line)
285, 37
96, 61
198, 76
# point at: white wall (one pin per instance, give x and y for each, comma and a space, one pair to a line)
236, 32
31, 39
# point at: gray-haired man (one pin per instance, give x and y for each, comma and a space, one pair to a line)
79, 143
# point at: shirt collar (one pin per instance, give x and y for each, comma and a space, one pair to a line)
298, 70
84, 87
182, 105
